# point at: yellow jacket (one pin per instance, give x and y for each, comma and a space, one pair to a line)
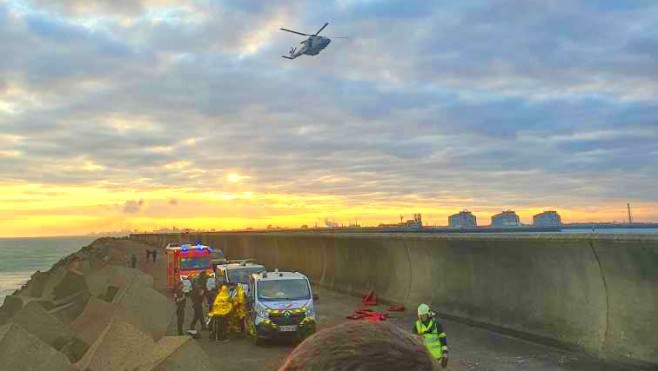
222, 305
239, 302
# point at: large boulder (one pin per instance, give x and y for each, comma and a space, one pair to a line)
37, 321
22, 351
121, 346
176, 353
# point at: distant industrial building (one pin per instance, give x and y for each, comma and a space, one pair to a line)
416, 222
547, 219
505, 219
464, 219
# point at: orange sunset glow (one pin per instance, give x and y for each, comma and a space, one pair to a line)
47, 210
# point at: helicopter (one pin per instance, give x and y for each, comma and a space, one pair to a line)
311, 46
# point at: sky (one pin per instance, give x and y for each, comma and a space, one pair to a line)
144, 114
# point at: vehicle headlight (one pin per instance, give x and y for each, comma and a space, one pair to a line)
262, 312
310, 312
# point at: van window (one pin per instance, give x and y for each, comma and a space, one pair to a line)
296, 289
241, 275
220, 278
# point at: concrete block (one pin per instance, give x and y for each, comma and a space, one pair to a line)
96, 316
120, 276
37, 321
12, 305
67, 309
53, 279
72, 283
176, 353
153, 309
97, 282
121, 346
22, 351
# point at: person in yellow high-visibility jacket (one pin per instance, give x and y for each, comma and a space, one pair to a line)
241, 307
240, 313
432, 333
221, 310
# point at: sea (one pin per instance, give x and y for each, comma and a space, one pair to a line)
21, 257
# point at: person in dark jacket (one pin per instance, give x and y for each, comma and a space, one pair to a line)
133, 261
154, 254
198, 297
181, 301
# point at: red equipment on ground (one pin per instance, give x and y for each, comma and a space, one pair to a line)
369, 298
367, 314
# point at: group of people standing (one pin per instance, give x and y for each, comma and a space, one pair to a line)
226, 306
151, 254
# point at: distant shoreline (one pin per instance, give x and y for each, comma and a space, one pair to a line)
65, 236
424, 229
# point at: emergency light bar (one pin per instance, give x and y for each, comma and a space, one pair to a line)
187, 246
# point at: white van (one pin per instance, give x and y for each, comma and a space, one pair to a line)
281, 305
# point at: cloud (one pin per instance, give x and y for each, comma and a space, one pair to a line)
100, 7
132, 206
497, 103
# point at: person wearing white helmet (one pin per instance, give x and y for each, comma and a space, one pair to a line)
186, 285
432, 333
211, 289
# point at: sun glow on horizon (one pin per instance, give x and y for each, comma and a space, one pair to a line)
30, 209
235, 177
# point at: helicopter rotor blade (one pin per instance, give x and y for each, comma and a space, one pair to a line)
322, 28
298, 33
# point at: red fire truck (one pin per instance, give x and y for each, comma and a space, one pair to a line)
186, 260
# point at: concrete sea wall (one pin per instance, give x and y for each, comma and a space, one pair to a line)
598, 293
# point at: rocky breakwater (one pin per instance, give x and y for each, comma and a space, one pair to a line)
91, 311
